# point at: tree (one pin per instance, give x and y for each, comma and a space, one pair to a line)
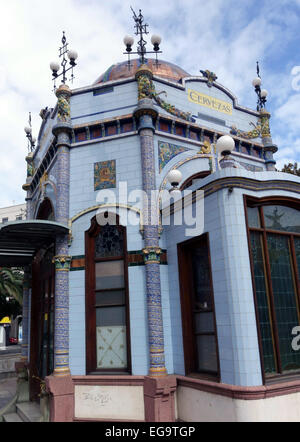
291, 168
10, 308
11, 284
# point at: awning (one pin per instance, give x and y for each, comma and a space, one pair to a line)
20, 240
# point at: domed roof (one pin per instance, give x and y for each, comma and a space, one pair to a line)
164, 69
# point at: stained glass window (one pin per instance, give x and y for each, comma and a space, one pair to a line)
107, 312
276, 270
282, 218
110, 299
285, 302
109, 242
263, 302
253, 217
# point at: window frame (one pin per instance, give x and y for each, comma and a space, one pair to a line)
188, 333
250, 201
90, 299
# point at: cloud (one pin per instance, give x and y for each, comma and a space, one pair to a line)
227, 37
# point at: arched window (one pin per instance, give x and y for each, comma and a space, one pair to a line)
107, 312
274, 242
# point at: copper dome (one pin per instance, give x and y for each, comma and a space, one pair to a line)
165, 70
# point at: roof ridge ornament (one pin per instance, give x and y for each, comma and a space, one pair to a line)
211, 77
141, 30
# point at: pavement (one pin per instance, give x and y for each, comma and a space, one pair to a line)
8, 388
11, 349
8, 381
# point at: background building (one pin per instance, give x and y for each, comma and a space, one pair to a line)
141, 320
13, 213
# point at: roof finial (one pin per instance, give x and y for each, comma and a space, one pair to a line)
261, 93
141, 31
55, 66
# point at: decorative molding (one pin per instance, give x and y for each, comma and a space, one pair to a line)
186, 160
242, 393
261, 129
134, 259
106, 206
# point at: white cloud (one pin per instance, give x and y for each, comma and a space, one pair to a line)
225, 36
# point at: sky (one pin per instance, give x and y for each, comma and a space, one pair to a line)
224, 36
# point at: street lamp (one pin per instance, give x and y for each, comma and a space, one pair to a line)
31, 139
55, 65
141, 31
225, 145
261, 93
174, 177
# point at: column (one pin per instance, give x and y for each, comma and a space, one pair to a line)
60, 383
62, 130
159, 389
145, 113
269, 147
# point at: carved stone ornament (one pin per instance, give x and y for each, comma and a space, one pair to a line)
146, 89
262, 129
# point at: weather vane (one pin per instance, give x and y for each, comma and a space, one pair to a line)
141, 31
31, 139
55, 66
261, 93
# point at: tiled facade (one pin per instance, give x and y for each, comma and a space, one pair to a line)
109, 130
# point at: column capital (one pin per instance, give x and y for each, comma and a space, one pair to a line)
62, 263
152, 255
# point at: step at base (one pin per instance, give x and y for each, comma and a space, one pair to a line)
29, 412
12, 417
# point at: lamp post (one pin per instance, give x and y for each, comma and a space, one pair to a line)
141, 31
269, 147
31, 139
55, 66
261, 93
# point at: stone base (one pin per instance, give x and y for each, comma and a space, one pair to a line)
61, 392
159, 396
